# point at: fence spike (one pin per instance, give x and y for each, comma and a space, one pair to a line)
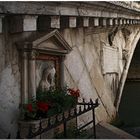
83, 100
88, 106
80, 110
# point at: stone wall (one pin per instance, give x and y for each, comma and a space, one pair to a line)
82, 69
10, 83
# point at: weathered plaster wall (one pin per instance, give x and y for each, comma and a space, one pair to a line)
9, 88
10, 92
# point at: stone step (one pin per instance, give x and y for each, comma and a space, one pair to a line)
107, 131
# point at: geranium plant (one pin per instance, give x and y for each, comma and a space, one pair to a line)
50, 103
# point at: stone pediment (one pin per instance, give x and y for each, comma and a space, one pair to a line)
52, 42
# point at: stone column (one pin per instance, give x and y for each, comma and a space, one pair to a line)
24, 77
32, 74
62, 71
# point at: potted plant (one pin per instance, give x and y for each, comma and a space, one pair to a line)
47, 104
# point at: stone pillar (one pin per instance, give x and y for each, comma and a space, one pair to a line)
32, 74
62, 71
29, 23
24, 77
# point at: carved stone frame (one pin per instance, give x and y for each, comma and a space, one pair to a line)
38, 49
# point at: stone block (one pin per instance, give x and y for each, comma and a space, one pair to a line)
104, 22
96, 21
29, 23
86, 21
115, 22
55, 21
72, 22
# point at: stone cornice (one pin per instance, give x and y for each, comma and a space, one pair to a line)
92, 9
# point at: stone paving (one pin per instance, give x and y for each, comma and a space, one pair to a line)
133, 131
107, 131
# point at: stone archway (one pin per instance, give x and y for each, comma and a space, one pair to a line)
131, 44
129, 105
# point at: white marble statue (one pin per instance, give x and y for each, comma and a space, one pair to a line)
48, 79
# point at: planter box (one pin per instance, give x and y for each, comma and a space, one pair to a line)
28, 127
24, 127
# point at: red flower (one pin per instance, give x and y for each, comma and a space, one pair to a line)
29, 107
74, 93
43, 106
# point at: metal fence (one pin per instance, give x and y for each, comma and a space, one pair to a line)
63, 118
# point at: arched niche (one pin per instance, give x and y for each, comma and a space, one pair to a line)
37, 55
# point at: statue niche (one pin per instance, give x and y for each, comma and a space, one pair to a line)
42, 63
47, 81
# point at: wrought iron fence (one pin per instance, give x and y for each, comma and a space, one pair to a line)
63, 118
